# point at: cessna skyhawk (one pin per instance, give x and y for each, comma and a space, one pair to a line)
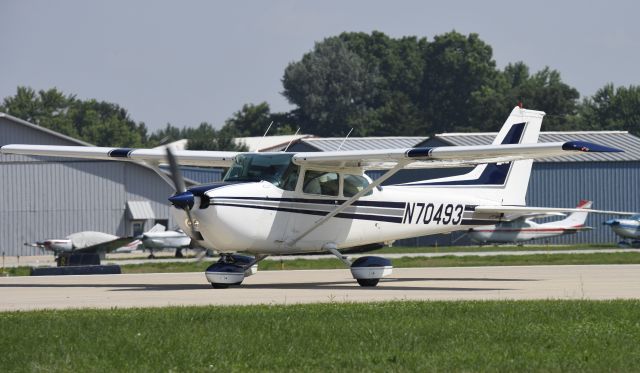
276, 203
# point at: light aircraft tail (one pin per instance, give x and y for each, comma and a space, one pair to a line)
577, 219
505, 183
157, 228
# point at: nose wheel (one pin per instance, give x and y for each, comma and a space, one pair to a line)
231, 269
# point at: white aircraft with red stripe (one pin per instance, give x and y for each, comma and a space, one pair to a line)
522, 228
277, 203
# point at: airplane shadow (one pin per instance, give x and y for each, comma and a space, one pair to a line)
397, 284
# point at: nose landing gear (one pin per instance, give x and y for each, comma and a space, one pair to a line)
231, 269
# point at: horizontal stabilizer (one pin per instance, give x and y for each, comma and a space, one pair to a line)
500, 211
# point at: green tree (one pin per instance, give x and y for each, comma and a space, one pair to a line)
253, 120
545, 91
46, 108
98, 122
457, 67
612, 108
331, 87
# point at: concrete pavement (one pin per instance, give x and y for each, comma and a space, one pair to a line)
312, 286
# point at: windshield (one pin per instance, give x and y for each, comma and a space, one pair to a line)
274, 168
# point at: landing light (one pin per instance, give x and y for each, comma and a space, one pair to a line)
196, 223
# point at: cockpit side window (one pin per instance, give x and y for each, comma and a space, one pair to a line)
277, 169
320, 182
290, 177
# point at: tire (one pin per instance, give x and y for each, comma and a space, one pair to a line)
368, 282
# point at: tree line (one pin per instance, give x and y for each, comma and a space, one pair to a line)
371, 83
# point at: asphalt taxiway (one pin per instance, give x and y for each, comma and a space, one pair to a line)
311, 286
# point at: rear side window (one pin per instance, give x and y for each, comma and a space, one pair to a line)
354, 184
319, 182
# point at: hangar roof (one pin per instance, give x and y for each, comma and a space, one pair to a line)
43, 129
617, 139
268, 143
363, 143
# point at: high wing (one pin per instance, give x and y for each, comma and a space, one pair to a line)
105, 246
445, 156
152, 156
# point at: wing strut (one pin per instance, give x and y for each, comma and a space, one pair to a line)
348, 202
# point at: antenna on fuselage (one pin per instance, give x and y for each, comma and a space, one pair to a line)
293, 138
265, 135
345, 139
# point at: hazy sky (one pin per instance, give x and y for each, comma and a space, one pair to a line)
186, 62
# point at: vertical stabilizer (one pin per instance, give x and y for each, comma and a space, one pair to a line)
503, 183
577, 219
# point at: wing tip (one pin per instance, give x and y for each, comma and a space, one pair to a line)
589, 147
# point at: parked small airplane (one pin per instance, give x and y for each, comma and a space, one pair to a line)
87, 242
626, 228
286, 203
157, 238
523, 228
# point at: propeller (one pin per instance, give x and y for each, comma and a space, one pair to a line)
183, 199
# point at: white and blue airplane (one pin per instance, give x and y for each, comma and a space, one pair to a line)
284, 203
626, 228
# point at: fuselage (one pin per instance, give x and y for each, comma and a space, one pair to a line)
519, 232
261, 218
625, 228
57, 245
165, 240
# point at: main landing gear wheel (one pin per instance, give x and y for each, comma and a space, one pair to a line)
368, 270
368, 282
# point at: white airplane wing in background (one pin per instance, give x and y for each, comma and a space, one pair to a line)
91, 242
501, 211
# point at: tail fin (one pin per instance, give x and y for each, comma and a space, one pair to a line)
578, 218
505, 183
157, 228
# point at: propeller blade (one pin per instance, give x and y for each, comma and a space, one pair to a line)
176, 175
201, 255
183, 199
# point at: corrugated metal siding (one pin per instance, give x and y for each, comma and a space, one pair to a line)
52, 200
140, 210
610, 185
202, 175
42, 199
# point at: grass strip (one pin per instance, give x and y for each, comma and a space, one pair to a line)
396, 336
404, 262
